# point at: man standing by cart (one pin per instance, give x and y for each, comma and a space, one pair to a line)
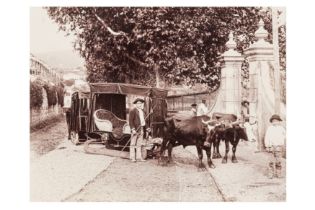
138, 128
67, 107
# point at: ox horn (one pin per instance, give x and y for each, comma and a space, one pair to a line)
207, 122
237, 123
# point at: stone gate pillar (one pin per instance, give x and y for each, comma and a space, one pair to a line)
261, 93
231, 78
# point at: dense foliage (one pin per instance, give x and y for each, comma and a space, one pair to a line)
51, 94
282, 49
55, 94
60, 94
36, 94
146, 45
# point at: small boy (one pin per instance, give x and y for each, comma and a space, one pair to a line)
274, 142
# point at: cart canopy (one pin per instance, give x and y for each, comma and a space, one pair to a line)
125, 89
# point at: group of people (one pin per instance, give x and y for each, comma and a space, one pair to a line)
274, 137
202, 108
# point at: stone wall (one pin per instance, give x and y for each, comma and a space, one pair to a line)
182, 102
44, 112
40, 115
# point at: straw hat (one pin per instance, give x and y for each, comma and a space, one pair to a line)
137, 100
275, 117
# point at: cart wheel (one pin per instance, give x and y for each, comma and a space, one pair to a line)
144, 152
75, 138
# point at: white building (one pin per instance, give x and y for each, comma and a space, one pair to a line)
38, 69
76, 74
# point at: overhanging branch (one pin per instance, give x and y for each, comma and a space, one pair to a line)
107, 27
136, 60
119, 33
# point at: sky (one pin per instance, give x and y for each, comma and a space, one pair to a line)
44, 34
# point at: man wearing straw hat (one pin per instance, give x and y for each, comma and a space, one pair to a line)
248, 124
193, 110
137, 124
245, 109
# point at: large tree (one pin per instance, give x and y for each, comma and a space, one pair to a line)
147, 45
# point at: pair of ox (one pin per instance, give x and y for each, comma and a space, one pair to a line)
203, 132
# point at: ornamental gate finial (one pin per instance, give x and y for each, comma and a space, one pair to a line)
261, 32
231, 44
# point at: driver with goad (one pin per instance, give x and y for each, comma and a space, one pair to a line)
137, 124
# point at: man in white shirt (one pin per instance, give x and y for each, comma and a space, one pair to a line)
67, 107
274, 142
202, 108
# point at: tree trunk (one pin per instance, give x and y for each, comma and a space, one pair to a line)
157, 75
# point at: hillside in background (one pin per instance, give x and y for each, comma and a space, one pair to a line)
61, 59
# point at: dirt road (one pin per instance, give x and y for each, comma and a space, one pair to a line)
123, 180
66, 173
148, 181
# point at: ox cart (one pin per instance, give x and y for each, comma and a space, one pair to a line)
100, 118
78, 116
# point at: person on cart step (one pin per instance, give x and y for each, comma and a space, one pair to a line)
202, 108
193, 110
138, 128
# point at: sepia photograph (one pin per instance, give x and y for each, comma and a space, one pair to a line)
157, 104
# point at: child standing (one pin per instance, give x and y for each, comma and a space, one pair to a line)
274, 142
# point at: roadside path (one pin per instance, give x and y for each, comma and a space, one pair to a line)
247, 180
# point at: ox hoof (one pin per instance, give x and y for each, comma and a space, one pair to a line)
211, 165
170, 160
234, 161
206, 144
216, 156
162, 161
224, 160
159, 161
201, 165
